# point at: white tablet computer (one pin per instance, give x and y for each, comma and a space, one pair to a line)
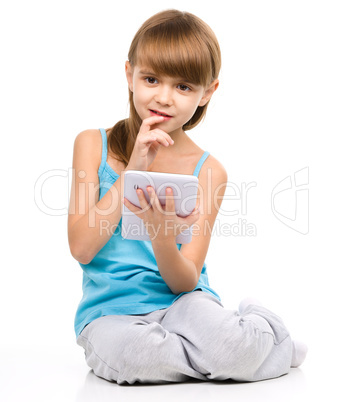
184, 189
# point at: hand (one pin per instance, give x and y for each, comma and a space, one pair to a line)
147, 144
161, 222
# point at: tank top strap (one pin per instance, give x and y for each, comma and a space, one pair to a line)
200, 163
104, 150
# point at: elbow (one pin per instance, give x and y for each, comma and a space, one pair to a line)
185, 288
81, 258
188, 283
80, 255
83, 261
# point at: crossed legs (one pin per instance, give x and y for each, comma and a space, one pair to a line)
194, 338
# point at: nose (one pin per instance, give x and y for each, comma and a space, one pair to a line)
163, 95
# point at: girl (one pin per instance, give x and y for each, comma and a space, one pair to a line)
148, 313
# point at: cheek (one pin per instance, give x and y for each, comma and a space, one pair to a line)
190, 107
139, 98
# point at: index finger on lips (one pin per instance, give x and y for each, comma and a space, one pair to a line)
147, 123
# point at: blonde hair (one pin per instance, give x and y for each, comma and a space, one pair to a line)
173, 43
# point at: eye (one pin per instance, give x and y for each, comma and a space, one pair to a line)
184, 87
150, 80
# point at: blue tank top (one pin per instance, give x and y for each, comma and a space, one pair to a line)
123, 277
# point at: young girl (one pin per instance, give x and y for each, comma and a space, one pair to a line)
148, 313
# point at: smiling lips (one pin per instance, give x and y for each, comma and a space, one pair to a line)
158, 113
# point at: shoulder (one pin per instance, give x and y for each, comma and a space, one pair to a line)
213, 180
89, 137
88, 143
212, 167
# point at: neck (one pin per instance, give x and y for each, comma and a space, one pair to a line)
181, 143
179, 137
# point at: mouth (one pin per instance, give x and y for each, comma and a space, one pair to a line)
158, 113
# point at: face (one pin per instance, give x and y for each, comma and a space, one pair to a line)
172, 96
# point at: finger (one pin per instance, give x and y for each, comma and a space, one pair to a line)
187, 222
148, 138
197, 206
192, 218
147, 123
162, 135
154, 199
170, 201
156, 135
197, 209
130, 206
142, 200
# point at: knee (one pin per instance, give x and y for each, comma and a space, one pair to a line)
139, 361
237, 356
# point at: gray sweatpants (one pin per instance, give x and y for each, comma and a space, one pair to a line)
194, 338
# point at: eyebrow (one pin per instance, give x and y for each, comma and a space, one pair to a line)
146, 72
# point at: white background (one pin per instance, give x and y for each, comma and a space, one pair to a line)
277, 111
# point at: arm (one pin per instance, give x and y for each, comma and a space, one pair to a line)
87, 215
91, 222
213, 182
178, 272
182, 268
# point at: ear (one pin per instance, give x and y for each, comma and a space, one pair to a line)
208, 93
129, 75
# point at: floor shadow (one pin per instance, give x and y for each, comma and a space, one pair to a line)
95, 388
